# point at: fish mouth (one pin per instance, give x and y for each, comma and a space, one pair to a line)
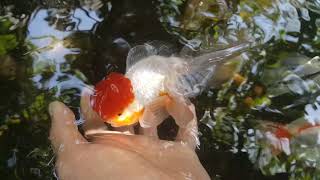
125, 119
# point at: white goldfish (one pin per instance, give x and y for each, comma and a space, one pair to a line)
124, 99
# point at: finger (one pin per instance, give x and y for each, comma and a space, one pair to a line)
64, 133
125, 129
92, 134
189, 133
152, 131
92, 121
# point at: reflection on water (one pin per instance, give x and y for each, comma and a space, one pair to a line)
216, 23
312, 114
41, 71
51, 50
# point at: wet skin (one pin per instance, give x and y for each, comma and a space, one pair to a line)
120, 154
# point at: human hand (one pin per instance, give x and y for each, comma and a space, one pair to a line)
121, 154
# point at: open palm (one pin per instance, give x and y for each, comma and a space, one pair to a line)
121, 154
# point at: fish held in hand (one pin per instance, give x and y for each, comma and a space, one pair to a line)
122, 100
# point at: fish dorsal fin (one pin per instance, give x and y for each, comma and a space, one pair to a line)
162, 48
138, 53
147, 49
190, 50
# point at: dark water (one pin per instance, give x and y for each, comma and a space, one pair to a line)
51, 49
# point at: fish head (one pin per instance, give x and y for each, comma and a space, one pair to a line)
115, 102
129, 116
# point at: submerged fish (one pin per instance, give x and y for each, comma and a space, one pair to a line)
287, 137
122, 99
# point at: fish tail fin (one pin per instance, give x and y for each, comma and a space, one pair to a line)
212, 69
220, 56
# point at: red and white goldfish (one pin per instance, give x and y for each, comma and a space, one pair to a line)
122, 99
283, 137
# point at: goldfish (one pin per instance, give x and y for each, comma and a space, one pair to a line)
123, 99
284, 137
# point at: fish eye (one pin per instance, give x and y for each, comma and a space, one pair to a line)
119, 114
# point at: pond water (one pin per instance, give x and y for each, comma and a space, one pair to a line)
51, 49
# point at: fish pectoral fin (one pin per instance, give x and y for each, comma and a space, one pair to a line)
182, 111
155, 112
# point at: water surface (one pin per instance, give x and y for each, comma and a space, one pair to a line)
51, 49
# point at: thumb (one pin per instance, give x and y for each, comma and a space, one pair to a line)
92, 119
64, 132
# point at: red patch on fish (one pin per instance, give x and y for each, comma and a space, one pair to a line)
282, 132
307, 126
112, 95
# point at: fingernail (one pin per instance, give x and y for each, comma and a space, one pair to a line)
52, 107
87, 91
